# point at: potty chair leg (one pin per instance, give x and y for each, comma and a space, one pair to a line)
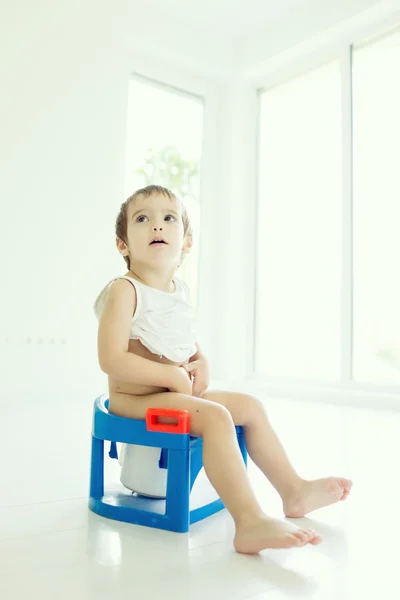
178, 487
178, 492
97, 468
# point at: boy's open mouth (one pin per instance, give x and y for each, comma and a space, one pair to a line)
157, 241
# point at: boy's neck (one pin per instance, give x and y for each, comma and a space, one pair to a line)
154, 279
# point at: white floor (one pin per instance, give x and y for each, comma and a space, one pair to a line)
51, 547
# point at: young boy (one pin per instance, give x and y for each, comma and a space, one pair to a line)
147, 346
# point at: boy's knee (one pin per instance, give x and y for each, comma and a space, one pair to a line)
254, 404
217, 414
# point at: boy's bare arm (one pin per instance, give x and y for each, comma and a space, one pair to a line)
199, 354
113, 341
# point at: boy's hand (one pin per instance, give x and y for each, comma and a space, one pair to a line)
198, 369
181, 382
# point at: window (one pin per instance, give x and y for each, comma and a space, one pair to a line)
164, 146
299, 228
376, 98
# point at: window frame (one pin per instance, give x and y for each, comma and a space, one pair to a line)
340, 46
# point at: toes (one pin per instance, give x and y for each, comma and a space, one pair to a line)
313, 537
294, 540
305, 535
301, 537
317, 539
346, 485
311, 532
346, 491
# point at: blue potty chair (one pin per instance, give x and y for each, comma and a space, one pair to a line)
180, 453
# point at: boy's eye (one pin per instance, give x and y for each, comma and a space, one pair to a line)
141, 218
169, 217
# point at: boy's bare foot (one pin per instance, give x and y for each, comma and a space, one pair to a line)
265, 532
310, 495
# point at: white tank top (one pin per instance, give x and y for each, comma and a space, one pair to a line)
164, 322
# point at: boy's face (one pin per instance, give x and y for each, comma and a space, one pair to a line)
148, 220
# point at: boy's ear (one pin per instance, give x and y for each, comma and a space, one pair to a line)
187, 244
122, 247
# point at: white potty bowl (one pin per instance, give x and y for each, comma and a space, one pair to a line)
140, 472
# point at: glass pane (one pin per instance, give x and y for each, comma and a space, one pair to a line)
299, 225
376, 90
164, 146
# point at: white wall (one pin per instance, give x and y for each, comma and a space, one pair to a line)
63, 111
64, 89
295, 22
279, 51
63, 115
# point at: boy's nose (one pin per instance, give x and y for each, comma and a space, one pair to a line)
155, 228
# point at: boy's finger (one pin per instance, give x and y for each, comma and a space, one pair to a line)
198, 391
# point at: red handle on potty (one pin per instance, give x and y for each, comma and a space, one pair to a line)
152, 424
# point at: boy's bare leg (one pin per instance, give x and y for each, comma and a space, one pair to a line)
225, 469
298, 495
